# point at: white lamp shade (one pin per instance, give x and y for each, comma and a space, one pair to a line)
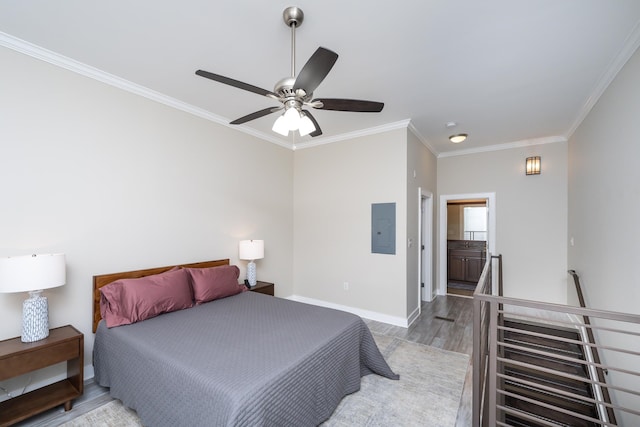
292, 116
251, 249
32, 272
281, 126
306, 126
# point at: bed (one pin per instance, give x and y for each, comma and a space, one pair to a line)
244, 360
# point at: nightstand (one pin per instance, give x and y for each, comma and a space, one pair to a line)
264, 288
18, 358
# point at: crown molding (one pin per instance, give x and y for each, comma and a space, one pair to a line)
632, 43
403, 124
506, 146
424, 140
38, 52
67, 63
58, 60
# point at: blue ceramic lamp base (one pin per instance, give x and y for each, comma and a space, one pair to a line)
35, 317
251, 274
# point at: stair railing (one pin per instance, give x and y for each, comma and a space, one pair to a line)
606, 413
481, 341
618, 354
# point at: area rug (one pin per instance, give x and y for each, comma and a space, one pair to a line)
112, 414
427, 394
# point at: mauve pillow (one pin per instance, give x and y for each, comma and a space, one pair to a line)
128, 301
215, 282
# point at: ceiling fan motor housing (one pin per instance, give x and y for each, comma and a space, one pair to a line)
284, 88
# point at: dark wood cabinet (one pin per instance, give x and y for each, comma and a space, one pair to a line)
17, 358
264, 288
466, 260
456, 268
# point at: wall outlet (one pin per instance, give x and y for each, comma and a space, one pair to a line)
345, 285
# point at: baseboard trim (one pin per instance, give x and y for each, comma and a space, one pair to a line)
413, 316
88, 372
367, 314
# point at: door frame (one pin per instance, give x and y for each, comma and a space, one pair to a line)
442, 235
425, 257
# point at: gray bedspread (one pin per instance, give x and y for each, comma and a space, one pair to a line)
246, 360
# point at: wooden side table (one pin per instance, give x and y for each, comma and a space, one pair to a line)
18, 358
264, 288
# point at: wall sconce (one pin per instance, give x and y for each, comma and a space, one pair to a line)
533, 165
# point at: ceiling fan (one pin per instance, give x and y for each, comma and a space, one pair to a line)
296, 92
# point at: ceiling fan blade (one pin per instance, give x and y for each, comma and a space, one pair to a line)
315, 70
318, 131
236, 83
255, 115
356, 105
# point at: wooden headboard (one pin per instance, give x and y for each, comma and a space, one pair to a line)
105, 279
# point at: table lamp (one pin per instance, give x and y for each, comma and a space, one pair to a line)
251, 250
33, 273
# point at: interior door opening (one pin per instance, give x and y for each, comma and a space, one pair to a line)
466, 244
426, 290
464, 240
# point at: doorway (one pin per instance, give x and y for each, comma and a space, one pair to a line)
466, 244
426, 290
490, 199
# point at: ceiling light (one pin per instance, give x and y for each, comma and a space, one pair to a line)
292, 117
456, 139
306, 125
281, 126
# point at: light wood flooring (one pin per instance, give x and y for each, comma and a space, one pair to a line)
446, 323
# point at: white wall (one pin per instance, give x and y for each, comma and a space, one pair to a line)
604, 212
531, 213
604, 195
421, 161
119, 182
334, 187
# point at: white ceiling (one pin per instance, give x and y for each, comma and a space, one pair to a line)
506, 71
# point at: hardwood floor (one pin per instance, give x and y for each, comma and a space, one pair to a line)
446, 323
460, 288
93, 397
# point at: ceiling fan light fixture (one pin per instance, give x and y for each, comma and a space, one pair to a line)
456, 139
281, 126
306, 126
292, 118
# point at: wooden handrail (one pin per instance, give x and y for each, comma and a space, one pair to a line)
594, 350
